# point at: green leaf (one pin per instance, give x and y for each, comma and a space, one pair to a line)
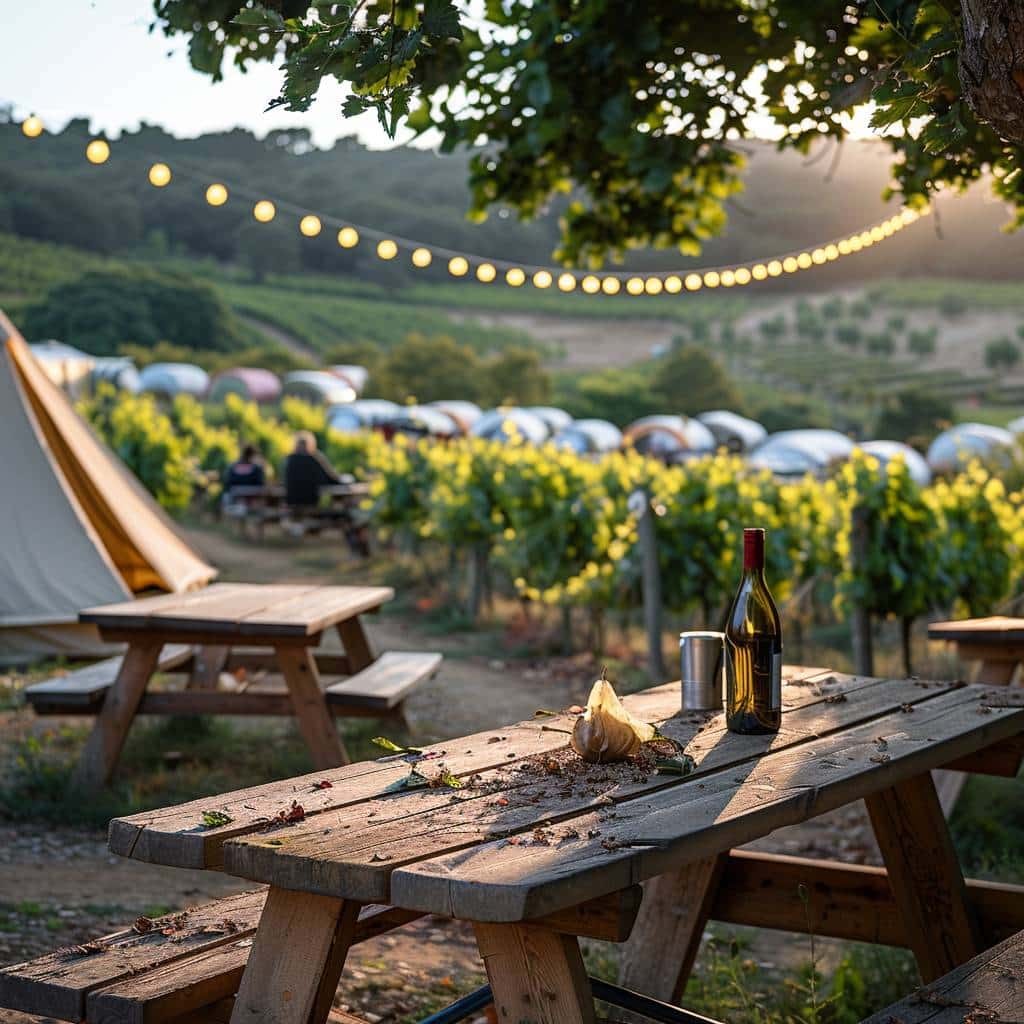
682, 765
214, 819
441, 20
393, 748
259, 17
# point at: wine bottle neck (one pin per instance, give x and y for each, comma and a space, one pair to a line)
753, 551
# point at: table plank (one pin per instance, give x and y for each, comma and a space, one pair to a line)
603, 850
993, 629
175, 835
136, 614
314, 611
352, 852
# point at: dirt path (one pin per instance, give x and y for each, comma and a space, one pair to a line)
283, 338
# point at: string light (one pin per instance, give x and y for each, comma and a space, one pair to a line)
264, 211
217, 194
159, 175
97, 152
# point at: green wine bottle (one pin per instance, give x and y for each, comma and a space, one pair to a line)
753, 648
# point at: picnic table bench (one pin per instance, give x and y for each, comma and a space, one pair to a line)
533, 847
231, 626
258, 507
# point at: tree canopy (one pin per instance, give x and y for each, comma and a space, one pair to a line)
638, 109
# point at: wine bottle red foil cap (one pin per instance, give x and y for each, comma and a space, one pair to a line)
753, 548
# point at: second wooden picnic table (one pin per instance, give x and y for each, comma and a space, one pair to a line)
288, 619
509, 830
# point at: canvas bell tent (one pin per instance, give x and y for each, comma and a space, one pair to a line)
76, 528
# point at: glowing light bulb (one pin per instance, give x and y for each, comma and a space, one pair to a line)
590, 284
264, 211
458, 266
566, 282
486, 273
818, 257
635, 286
844, 247
387, 249
866, 240
32, 127
693, 282
310, 225
831, 252
758, 271
856, 244
611, 286
790, 265
728, 278
542, 279
97, 152
673, 284
653, 285
877, 234
712, 279
348, 238
804, 261
159, 175
421, 257
217, 194
515, 277
743, 275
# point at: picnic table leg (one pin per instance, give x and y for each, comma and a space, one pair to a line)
659, 955
537, 975
298, 666
924, 874
296, 960
103, 747
356, 644
208, 663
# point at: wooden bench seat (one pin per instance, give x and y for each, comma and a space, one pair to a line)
81, 692
988, 988
191, 963
382, 686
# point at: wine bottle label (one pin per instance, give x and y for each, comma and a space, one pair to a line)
776, 684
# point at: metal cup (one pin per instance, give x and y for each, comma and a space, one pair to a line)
700, 667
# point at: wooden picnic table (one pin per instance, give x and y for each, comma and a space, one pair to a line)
533, 834
288, 619
994, 643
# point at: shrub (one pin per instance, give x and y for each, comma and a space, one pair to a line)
849, 334
773, 329
881, 344
1002, 354
897, 324
952, 304
922, 342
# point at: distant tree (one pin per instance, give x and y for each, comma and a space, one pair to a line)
1002, 354
790, 412
881, 344
952, 304
860, 309
103, 309
832, 308
897, 324
773, 329
921, 342
689, 379
1020, 332
619, 394
914, 416
848, 334
700, 331
430, 369
515, 376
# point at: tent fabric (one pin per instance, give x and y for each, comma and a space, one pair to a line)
74, 530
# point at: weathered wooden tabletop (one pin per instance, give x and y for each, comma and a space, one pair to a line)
533, 829
226, 612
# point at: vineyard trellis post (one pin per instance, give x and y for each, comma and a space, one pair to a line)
860, 618
650, 581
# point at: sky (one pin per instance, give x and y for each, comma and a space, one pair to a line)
97, 58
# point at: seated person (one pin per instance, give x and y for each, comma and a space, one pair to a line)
245, 471
305, 472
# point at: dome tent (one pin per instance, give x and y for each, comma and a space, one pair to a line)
172, 379
954, 448
589, 437
732, 431
317, 387
78, 529
669, 438
885, 451
249, 382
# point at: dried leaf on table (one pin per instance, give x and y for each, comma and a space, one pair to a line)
607, 731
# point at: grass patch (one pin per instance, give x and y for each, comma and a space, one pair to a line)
216, 756
988, 828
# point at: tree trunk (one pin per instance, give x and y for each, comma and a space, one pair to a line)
992, 64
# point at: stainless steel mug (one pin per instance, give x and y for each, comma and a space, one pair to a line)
700, 668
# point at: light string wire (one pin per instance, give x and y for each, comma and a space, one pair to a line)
514, 273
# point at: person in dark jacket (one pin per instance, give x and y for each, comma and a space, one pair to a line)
305, 471
245, 471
